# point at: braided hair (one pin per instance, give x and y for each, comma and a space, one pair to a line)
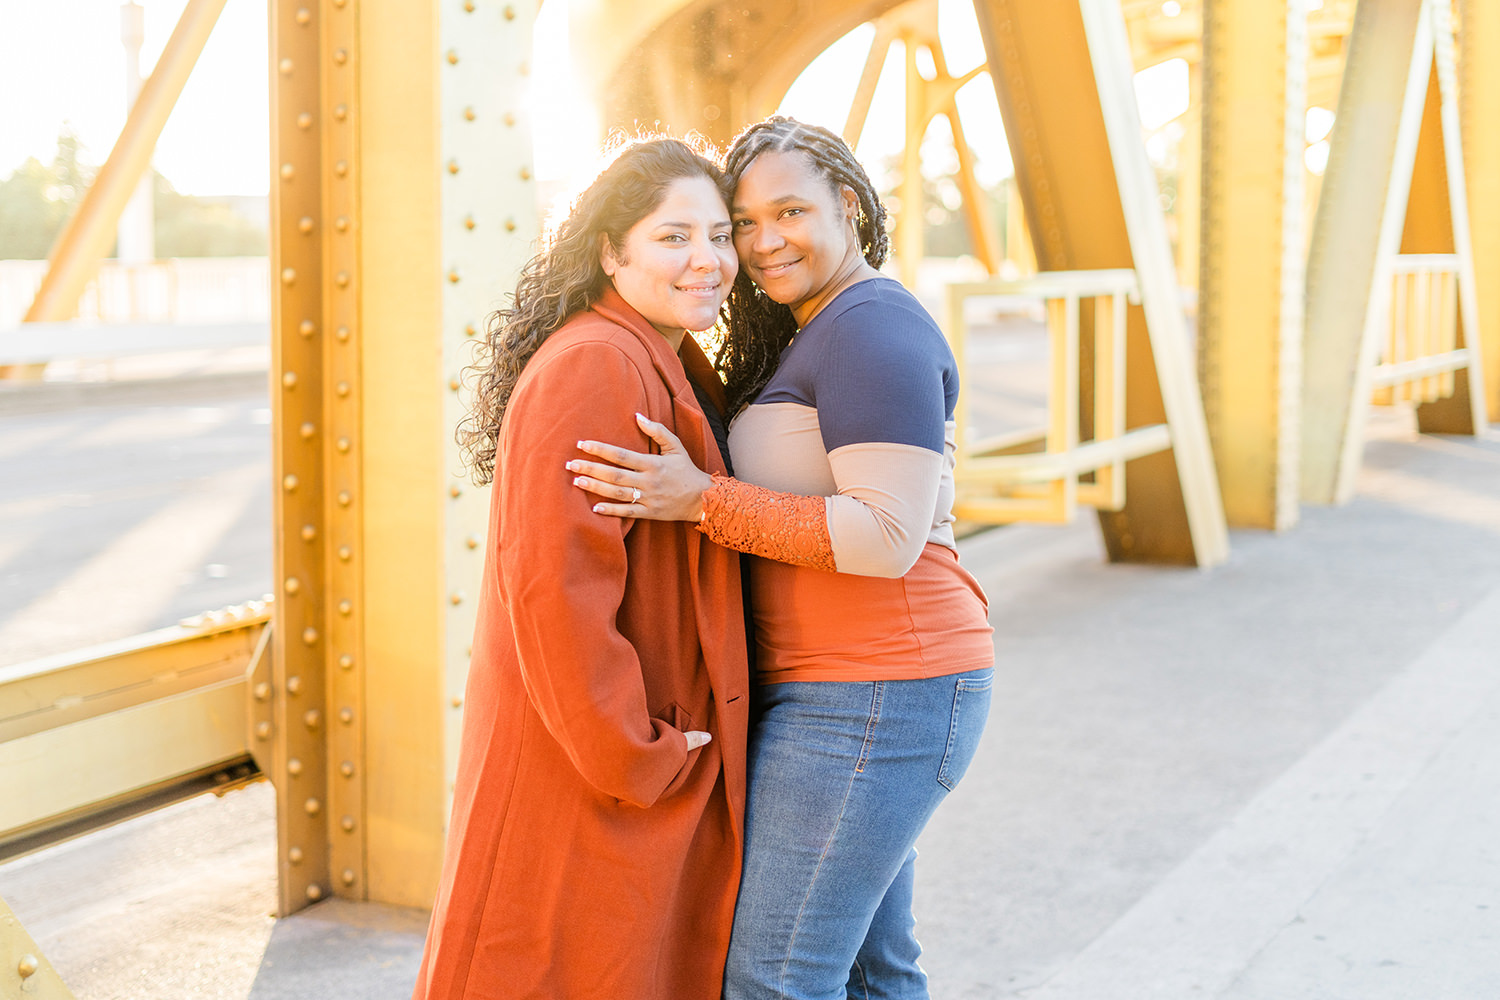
758, 328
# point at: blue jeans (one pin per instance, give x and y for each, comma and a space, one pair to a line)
843, 777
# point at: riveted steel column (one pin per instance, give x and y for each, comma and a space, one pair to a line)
1479, 109
24, 970
346, 772
298, 694
1062, 75
1251, 280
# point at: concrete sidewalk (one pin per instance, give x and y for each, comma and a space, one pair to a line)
1279, 779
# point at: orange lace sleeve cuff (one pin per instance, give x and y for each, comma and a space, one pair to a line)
781, 526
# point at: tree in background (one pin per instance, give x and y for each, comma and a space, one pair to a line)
36, 200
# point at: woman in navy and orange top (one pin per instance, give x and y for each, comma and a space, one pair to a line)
874, 654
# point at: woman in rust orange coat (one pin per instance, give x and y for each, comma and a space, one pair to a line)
595, 841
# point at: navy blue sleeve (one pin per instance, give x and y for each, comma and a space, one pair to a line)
886, 375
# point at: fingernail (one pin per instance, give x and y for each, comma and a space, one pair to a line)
641, 416
577, 480
571, 466
598, 508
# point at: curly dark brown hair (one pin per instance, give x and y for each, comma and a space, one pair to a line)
567, 277
758, 328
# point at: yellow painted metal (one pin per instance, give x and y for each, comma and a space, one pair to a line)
87, 235
1394, 183
1187, 206
1045, 476
300, 231
1437, 222
24, 970
1062, 74
1479, 108
110, 728
1251, 281
1358, 225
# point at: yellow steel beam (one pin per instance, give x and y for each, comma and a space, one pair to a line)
1062, 74
1250, 286
86, 237
1437, 222
1358, 224
24, 970
1479, 104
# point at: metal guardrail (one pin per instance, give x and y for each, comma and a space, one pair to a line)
1419, 353
93, 737
1045, 474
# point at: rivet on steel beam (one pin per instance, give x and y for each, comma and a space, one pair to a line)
453, 276
345, 607
288, 171
347, 769
309, 635
348, 876
342, 388
309, 532
294, 855
508, 118
28, 966
455, 491
288, 275
342, 444
340, 111
294, 767
311, 718
525, 173
294, 684
458, 702
452, 57
524, 69
469, 6
262, 730
510, 13
292, 585
341, 223
262, 691
454, 384
305, 225
341, 56
469, 330
456, 598
347, 823
341, 168
339, 3
303, 15
289, 483
289, 380
307, 430
346, 715
315, 891
341, 279
469, 114
346, 662
472, 541
344, 498
286, 67
344, 553
452, 166
304, 120
312, 806
343, 334
711, 112
468, 222
307, 328
510, 225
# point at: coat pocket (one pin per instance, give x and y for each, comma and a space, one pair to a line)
674, 715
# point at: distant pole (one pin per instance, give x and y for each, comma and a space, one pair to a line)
137, 225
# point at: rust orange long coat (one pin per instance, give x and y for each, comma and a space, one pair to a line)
590, 853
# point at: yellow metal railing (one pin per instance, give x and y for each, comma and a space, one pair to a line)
1045, 474
91, 737
1419, 352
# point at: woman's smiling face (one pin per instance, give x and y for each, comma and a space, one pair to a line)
795, 235
677, 264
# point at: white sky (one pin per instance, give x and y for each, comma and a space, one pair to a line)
62, 61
